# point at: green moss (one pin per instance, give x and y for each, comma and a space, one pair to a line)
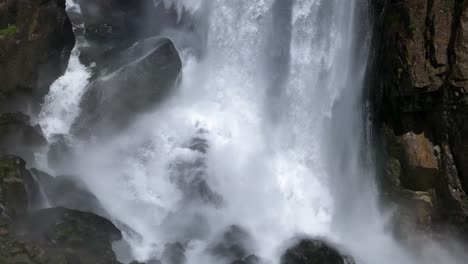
412, 29
3, 260
8, 31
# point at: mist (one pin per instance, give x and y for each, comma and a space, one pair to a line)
263, 131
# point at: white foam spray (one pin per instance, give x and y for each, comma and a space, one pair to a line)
277, 100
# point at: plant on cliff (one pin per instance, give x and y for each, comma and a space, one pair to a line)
8, 31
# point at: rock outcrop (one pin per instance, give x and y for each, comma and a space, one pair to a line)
36, 39
138, 79
314, 252
66, 191
419, 90
14, 182
111, 26
55, 235
19, 137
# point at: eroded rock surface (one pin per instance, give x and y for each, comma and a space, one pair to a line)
19, 137
138, 81
36, 39
419, 91
310, 251
55, 235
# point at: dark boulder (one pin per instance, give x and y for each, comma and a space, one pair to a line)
115, 20
19, 137
61, 235
14, 182
68, 192
55, 235
314, 252
138, 80
36, 39
112, 26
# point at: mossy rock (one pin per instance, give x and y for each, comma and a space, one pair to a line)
7, 32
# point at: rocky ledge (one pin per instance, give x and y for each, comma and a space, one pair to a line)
419, 93
54, 235
36, 39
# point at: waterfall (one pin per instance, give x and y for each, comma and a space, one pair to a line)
264, 132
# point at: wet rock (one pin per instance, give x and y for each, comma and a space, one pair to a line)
419, 162
73, 236
414, 216
129, 88
36, 39
112, 21
19, 137
55, 235
314, 252
14, 182
420, 96
68, 192
111, 26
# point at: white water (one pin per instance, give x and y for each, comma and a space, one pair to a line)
277, 96
62, 103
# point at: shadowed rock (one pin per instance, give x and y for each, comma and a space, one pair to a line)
19, 137
14, 179
314, 252
35, 43
420, 104
68, 192
130, 87
76, 236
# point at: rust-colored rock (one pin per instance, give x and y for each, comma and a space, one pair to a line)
419, 91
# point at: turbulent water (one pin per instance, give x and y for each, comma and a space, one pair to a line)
265, 131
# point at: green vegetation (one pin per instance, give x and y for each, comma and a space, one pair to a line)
8, 31
412, 29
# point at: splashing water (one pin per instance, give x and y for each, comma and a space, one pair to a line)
264, 132
62, 103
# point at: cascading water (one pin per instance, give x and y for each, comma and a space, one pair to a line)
265, 132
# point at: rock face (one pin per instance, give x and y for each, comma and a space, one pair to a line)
314, 252
68, 192
55, 235
81, 237
18, 137
13, 190
113, 25
58, 236
419, 90
36, 39
140, 78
